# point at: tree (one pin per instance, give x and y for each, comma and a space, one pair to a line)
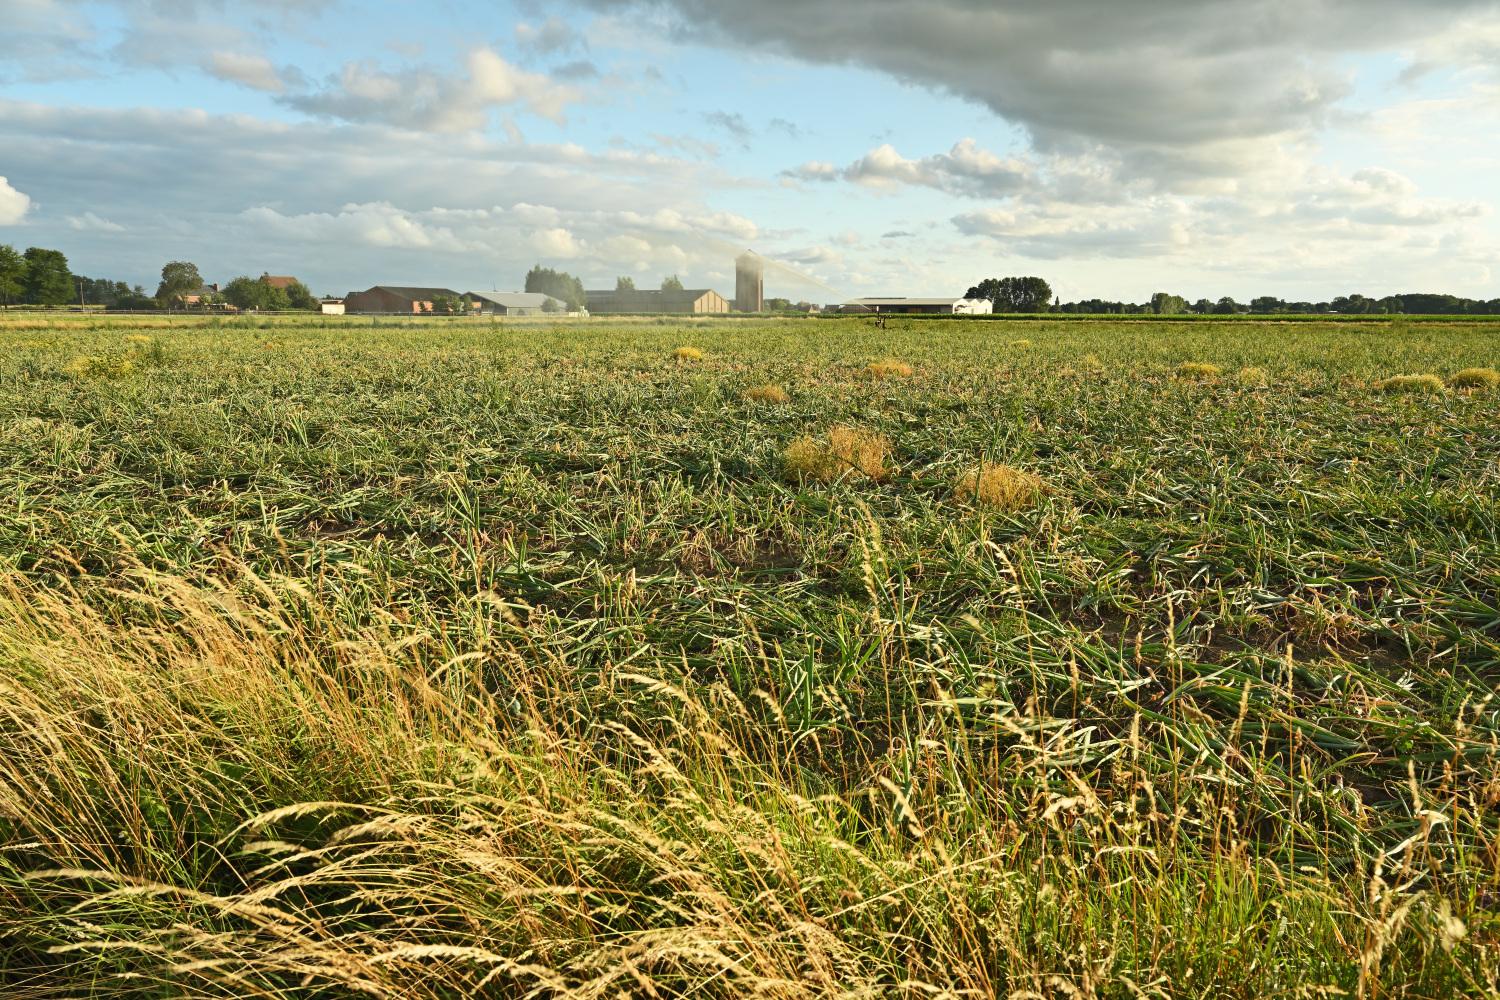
550, 305
1014, 294
672, 284
252, 293
450, 306
1226, 307
1168, 305
12, 274
559, 284
47, 281
299, 297
179, 279
623, 284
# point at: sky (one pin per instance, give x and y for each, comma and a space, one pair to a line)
1297, 148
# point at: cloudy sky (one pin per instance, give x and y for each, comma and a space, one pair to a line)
1303, 148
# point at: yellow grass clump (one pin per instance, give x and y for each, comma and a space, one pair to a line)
1253, 376
846, 451
1000, 486
1020, 343
1475, 378
1198, 370
688, 354
1410, 383
96, 366
767, 394
890, 367
137, 338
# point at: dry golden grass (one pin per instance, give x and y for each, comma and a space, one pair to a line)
846, 451
1253, 376
1020, 343
1410, 383
1002, 487
1475, 378
767, 394
97, 366
687, 354
1198, 370
890, 368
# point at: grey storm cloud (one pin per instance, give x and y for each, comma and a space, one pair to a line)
1174, 77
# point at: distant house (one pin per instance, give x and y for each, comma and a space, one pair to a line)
281, 281
893, 304
515, 303
331, 307
202, 294
698, 301
403, 299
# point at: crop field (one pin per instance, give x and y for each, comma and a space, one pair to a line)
749, 658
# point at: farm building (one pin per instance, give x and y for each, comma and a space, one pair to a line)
918, 306
689, 300
204, 294
281, 281
331, 307
749, 283
397, 299
515, 303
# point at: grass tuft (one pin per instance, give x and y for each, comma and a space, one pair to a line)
767, 394
847, 451
1252, 376
1410, 383
688, 354
890, 368
1020, 343
1475, 378
1002, 487
1201, 370
86, 366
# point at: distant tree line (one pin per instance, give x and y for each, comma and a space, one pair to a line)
1035, 295
42, 277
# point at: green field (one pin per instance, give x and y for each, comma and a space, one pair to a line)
456, 659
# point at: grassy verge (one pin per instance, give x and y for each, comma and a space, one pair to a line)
498, 662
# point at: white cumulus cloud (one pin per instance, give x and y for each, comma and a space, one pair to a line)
13, 204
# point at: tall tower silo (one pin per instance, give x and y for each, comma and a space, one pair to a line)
749, 283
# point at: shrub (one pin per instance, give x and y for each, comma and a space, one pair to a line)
688, 354
767, 394
1475, 378
1000, 486
890, 367
1198, 370
847, 451
1410, 383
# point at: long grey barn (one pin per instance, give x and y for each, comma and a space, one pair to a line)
515, 303
631, 300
